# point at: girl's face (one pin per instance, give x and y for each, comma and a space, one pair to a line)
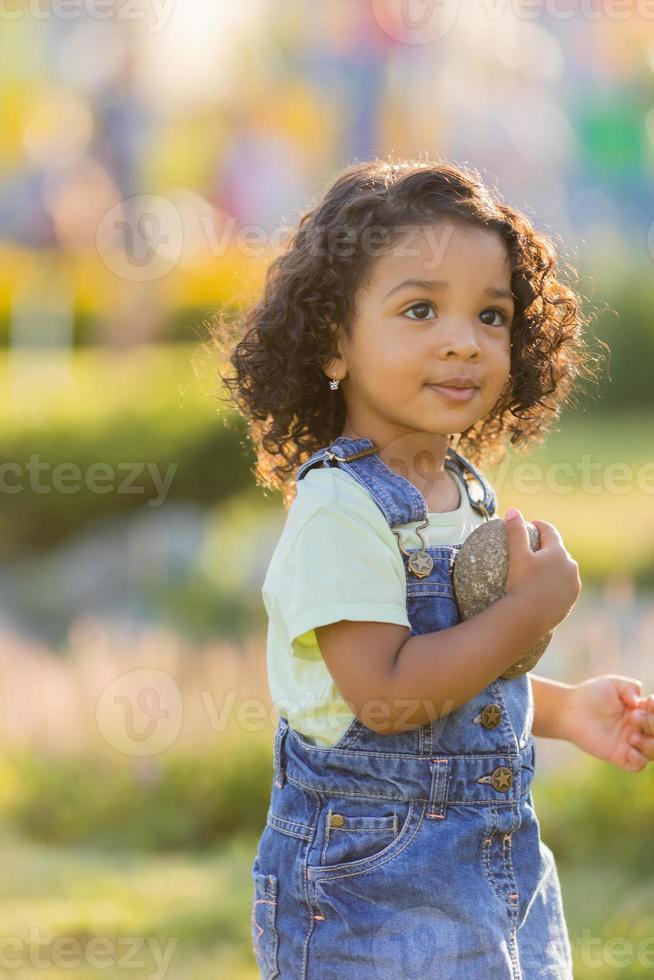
409, 336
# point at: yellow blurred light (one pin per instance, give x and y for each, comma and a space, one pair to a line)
58, 127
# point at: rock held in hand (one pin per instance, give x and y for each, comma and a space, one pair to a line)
479, 576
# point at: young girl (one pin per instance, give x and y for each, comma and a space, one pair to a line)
412, 306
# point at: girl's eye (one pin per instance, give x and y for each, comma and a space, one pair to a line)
499, 313
422, 306
419, 306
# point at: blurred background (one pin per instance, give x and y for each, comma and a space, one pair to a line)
153, 155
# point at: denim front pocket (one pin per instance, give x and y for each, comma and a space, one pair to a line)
350, 837
357, 835
263, 918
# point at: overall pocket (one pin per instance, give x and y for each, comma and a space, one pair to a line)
263, 919
350, 837
356, 835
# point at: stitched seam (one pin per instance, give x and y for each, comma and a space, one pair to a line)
268, 952
358, 729
409, 799
363, 796
305, 886
379, 469
390, 507
417, 592
442, 772
513, 904
292, 823
505, 724
380, 498
408, 755
289, 833
513, 946
346, 738
364, 830
489, 868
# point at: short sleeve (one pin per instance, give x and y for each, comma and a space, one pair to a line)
343, 565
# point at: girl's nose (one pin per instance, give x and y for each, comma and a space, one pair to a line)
462, 341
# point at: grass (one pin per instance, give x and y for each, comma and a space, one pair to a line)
610, 921
185, 916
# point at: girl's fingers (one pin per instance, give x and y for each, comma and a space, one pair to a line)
637, 761
643, 744
644, 720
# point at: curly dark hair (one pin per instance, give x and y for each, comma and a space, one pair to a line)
280, 345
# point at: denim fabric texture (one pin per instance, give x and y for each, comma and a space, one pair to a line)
415, 854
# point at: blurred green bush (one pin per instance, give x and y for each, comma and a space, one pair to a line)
141, 413
598, 812
175, 801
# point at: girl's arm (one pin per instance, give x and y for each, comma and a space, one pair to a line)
394, 682
551, 702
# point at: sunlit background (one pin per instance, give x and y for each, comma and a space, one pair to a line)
153, 155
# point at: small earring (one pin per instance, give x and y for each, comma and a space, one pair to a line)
334, 383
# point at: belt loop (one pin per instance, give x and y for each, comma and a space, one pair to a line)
278, 752
437, 804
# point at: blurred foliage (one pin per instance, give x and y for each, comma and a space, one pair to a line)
628, 328
187, 801
598, 821
598, 809
606, 520
192, 908
143, 413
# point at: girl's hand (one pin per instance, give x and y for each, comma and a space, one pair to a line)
643, 716
601, 717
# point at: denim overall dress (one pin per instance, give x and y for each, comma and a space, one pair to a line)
413, 854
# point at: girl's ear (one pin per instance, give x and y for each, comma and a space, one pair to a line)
335, 369
337, 366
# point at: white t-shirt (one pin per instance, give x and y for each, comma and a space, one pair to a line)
337, 558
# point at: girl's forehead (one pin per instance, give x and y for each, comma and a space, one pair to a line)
429, 251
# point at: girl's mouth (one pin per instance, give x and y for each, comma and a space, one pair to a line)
454, 394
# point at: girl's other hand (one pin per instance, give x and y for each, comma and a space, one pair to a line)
642, 715
599, 718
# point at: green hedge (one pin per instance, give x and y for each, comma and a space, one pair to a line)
173, 801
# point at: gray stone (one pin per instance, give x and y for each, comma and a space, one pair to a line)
479, 576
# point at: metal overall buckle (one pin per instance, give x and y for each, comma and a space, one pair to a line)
420, 561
